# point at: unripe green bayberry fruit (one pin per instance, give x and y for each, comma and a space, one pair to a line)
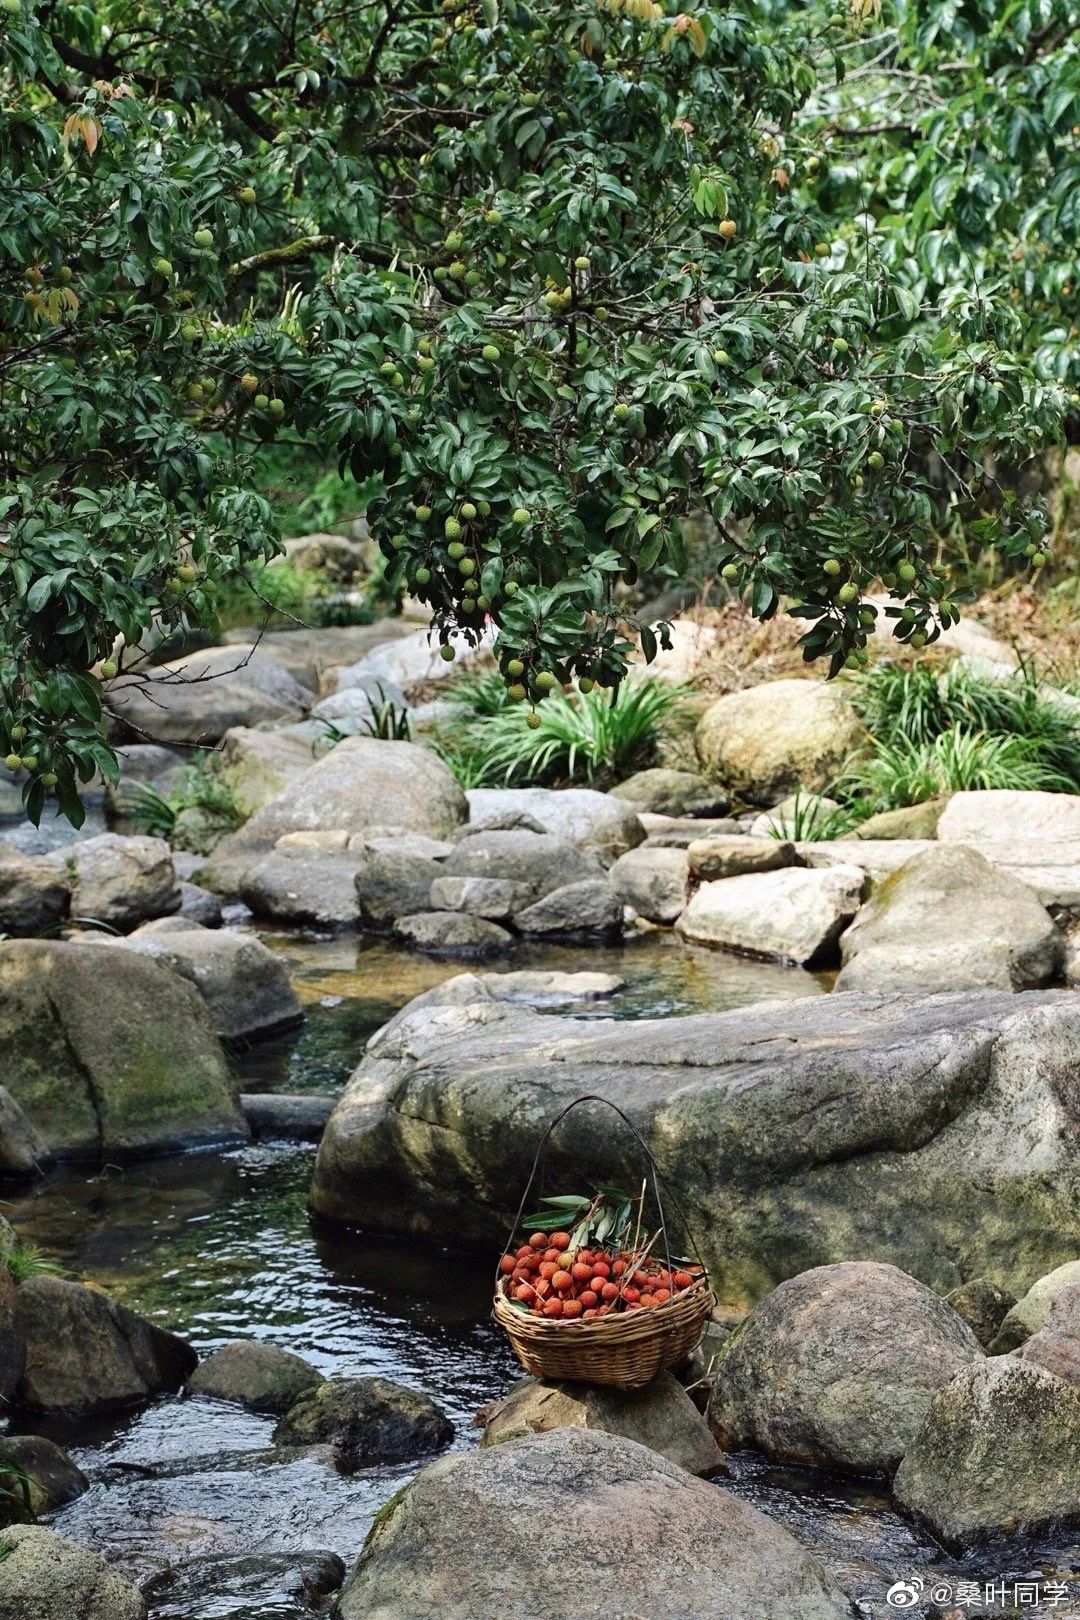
510, 588
397, 379
162, 267
455, 551
878, 407
907, 572
515, 667
586, 684
841, 346
917, 640
195, 391
458, 271
248, 195
452, 529
545, 681
491, 353
468, 604
466, 566
261, 401
847, 593
482, 603
447, 654
485, 508
875, 461
553, 299
521, 516
1038, 558
387, 368
13, 762
729, 571
190, 332
533, 721
29, 762
204, 238
424, 362
831, 567
621, 411
187, 573
721, 356
493, 217
423, 576
423, 513
48, 779
581, 263
516, 692
18, 734
468, 511
600, 313
108, 669
277, 409
249, 382
453, 240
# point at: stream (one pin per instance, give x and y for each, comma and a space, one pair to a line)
189, 1498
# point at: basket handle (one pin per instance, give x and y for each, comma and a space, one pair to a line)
654, 1169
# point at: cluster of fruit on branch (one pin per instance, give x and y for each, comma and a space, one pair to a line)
548, 1276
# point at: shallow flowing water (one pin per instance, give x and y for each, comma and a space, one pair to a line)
189, 1496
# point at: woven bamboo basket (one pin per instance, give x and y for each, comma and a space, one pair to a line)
626, 1349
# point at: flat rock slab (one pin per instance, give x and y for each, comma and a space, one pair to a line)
934, 1132
447, 1547
599, 822
992, 816
712, 858
276, 1117
788, 916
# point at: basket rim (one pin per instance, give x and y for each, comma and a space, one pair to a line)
653, 1323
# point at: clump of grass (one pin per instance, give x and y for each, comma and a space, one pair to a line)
589, 738
201, 787
25, 1261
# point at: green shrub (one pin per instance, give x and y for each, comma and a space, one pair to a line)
589, 738
281, 593
200, 787
904, 772
26, 1261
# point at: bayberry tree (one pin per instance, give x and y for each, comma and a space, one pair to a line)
545, 278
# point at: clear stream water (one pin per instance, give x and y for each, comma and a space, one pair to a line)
220, 1247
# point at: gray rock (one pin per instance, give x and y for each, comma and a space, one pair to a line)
656, 882
452, 933
22, 1150
505, 818
304, 887
110, 1054
770, 741
34, 894
258, 765
260, 1376
712, 858
397, 842
837, 1367
119, 881
661, 1417
983, 1306
672, 793
999, 1451
352, 711
361, 784
12, 1332
934, 1132
45, 1577
537, 861
393, 883
1056, 1346
599, 822
373, 1419
149, 763
198, 698
313, 654
443, 1548
997, 816
276, 1116
414, 660
494, 898
245, 985
199, 906
948, 921
793, 915
912, 821
1030, 1312
679, 832
53, 1478
798, 817
85, 1353
198, 829
589, 909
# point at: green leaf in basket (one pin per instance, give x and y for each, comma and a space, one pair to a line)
568, 1201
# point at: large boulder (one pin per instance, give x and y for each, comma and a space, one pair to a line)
110, 1054
769, 741
394, 880
538, 862
52, 1478
197, 698
453, 933
445, 1546
362, 785
45, 1577
34, 894
655, 881
374, 1419
589, 909
792, 915
995, 816
1031, 1310
119, 881
245, 986
948, 921
933, 1132
258, 765
493, 898
86, 1353
304, 886
662, 1416
999, 1450
599, 822
1056, 1346
260, 1376
667, 792
837, 1367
